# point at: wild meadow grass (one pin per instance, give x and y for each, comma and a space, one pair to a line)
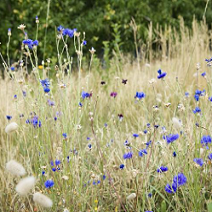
134, 137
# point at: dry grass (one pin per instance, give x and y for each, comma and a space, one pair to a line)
35, 147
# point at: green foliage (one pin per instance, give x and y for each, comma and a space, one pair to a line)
101, 20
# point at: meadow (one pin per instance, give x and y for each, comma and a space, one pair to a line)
132, 137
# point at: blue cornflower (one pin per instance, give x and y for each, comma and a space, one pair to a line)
54, 169
49, 183
8, 117
142, 152
148, 125
121, 166
210, 99
55, 118
162, 169
196, 97
34, 121
68, 32
15, 96
208, 61
186, 94
46, 89
149, 195
64, 135
24, 93
35, 43
52, 163
89, 146
57, 162
196, 110
43, 172
27, 121
88, 138
45, 82
199, 93
135, 135
50, 102
161, 74
12, 68
84, 42
80, 104
60, 28
139, 95
199, 161
103, 177
170, 189
206, 139
174, 154
203, 74
210, 156
86, 95
156, 126
128, 155
145, 131
172, 137
180, 179
28, 43
148, 144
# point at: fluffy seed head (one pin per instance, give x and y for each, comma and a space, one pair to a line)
131, 196
42, 200
25, 185
11, 127
15, 168
176, 123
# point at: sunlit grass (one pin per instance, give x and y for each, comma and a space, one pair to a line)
89, 176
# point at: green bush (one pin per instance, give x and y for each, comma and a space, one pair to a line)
96, 18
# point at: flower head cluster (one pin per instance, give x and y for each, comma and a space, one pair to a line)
30, 43
46, 85
178, 181
210, 156
203, 74
206, 139
8, 117
86, 95
142, 152
162, 169
208, 61
55, 165
139, 95
135, 135
51, 103
34, 121
161, 74
49, 183
196, 110
199, 93
128, 155
66, 31
172, 137
199, 161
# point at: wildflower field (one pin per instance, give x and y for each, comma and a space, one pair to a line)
135, 136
